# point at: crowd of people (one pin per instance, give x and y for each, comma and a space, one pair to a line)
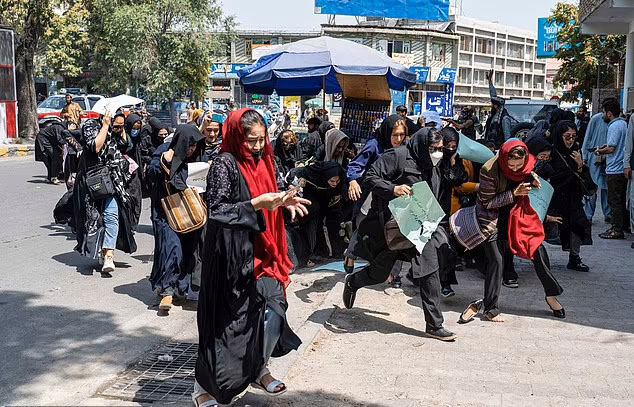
271, 208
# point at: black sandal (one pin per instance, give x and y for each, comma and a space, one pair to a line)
612, 234
557, 313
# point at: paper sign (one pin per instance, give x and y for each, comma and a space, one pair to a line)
540, 198
197, 175
473, 151
417, 215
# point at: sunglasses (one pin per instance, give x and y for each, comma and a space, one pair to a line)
117, 127
436, 149
570, 138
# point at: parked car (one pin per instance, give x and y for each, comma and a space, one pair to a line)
51, 108
525, 113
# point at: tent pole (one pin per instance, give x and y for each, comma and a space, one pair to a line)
323, 102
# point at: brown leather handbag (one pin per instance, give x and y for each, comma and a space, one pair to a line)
185, 210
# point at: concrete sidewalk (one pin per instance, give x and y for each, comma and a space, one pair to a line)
376, 354
16, 150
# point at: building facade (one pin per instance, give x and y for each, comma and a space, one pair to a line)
508, 51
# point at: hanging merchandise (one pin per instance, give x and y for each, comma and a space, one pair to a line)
362, 117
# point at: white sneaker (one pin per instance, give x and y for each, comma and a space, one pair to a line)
108, 264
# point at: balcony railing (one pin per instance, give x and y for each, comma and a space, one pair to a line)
586, 7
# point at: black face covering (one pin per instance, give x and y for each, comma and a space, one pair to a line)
257, 156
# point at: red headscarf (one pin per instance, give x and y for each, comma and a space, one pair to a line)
526, 231
269, 247
529, 164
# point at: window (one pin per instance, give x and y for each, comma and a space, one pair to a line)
479, 77
501, 48
465, 43
53, 102
513, 80
438, 52
464, 75
499, 79
81, 102
398, 47
516, 51
484, 46
248, 47
92, 100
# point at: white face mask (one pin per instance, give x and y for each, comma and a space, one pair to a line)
436, 156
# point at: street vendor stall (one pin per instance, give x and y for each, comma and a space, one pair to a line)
363, 75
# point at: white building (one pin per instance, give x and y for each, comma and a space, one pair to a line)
509, 51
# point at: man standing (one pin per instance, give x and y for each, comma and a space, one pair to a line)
596, 137
628, 163
411, 126
498, 124
617, 183
72, 112
466, 123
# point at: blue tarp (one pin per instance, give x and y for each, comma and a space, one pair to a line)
299, 68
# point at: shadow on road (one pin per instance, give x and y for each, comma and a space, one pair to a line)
322, 285
84, 265
59, 230
303, 399
44, 346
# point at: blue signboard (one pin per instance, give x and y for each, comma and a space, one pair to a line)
547, 42
398, 98
447, 75
418, 108
422, 73
435, 10
226, 71
441, 102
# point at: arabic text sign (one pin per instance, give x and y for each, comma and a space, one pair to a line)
447, 75
473, 151
422, 73
417, 215
547, 42
540, 198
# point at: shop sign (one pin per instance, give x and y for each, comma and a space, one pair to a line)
441, 102
422, 73
447, 75
403, 59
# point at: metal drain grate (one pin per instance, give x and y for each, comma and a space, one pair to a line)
154, 380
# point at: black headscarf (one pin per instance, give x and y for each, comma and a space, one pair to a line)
319, 173
287, 158
186, 135
130, 121
537, 145
384, 133
155, 125
419, 149
560, 128
323, 128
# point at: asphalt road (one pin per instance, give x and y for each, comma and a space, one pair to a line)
65, 330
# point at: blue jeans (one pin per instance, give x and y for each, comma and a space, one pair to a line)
590, 204
111, 223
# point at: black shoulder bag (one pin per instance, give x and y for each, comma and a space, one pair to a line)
99, 182
587, 185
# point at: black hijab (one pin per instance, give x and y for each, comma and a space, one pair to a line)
419, 149
558, 141
288, 158
538, 130
538, 145
384, 133
130, 121
186, 135
319, 173
155, 125
323, 128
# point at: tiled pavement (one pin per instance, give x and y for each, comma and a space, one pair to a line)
377, 355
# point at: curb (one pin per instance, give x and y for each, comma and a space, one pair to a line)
17, 150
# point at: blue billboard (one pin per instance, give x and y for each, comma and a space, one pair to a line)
547, 42
422, 73
435, 10
441, 102
447, 75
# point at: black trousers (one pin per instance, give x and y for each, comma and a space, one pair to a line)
380, 268
495, 271
617, 191
54, 164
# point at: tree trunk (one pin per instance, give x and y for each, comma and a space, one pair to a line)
173, 113
25, 82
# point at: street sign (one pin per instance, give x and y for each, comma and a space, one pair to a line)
447, 75
422, 73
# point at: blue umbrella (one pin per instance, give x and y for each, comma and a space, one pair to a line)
306, 67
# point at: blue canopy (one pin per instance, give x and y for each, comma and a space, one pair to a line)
299, 68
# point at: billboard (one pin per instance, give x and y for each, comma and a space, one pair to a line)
441, 102
547, 42
435, 10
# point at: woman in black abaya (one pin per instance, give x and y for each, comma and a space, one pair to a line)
176, 255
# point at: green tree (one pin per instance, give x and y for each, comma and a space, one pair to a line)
51, 27
585, 57
166, 45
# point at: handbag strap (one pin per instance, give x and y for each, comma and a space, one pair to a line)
575, 173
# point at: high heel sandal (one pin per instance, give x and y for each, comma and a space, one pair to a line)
557, 313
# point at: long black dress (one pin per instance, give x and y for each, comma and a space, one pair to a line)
135, 185
232, 304
176, 255
89, 213
48, 148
